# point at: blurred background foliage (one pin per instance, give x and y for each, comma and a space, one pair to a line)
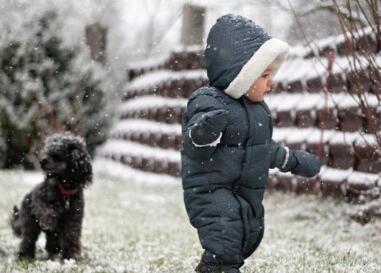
47, 87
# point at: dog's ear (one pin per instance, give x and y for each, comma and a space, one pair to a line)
81, 162
86, 169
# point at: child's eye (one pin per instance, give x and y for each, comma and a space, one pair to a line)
265, 75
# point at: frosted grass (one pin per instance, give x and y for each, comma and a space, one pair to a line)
132, 226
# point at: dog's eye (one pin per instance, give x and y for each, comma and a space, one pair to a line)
56, 157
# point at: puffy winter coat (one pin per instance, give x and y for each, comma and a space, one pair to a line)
227, 146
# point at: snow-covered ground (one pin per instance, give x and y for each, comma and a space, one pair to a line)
134, 225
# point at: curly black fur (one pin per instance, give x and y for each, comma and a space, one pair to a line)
48, 208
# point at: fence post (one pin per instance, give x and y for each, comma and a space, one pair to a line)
96, 40
192, 31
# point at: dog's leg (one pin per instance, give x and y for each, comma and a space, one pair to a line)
52, 243
70, 236
28, 229
29, 237
71, 243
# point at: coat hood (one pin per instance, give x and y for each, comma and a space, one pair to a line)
238, 51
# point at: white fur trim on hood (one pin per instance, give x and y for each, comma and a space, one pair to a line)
272, 50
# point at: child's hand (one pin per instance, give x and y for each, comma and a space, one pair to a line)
308, 165
209, 127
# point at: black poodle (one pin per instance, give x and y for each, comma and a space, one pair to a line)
56, 206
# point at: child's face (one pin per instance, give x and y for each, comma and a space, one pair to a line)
261, 86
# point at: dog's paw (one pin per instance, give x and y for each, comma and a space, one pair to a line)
72, 258
25, 257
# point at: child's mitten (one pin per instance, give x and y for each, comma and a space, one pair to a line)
207, 131
308, 165
298, 162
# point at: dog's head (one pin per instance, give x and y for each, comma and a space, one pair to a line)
65, 156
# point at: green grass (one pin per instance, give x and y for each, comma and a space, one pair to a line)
132, 226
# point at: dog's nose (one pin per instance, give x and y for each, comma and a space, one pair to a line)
43, 162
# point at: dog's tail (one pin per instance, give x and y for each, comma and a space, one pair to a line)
15, 221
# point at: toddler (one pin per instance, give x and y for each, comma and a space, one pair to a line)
227, 147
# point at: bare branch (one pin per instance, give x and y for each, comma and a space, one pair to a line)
322, 6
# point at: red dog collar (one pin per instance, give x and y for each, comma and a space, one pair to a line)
66, 193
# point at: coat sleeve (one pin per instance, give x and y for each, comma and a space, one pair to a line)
299, 162
203, 124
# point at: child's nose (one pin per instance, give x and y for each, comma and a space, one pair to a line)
269, 85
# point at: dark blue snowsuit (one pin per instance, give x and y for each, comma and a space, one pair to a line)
227, 150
